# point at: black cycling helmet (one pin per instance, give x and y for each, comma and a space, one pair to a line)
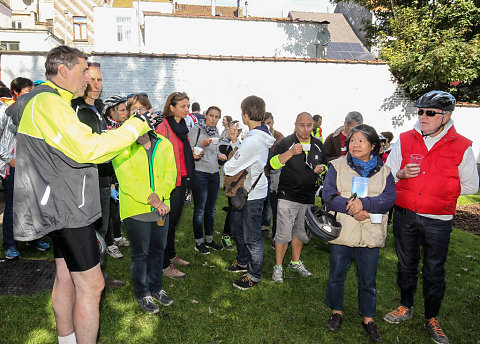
321, 224
112, 102
437, 100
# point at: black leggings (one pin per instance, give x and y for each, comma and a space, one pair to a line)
177, 199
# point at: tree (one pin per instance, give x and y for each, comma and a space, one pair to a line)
429, 44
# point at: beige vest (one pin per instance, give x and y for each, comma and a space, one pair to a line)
360, 233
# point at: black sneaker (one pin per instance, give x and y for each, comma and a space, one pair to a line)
202, 248
147, 304
244, 283
372, 331
213, 245
436, 332
266, 234
227, 242
162, 297
334, 322
235, 267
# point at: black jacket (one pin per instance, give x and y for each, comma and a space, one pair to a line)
86, 115
297, 180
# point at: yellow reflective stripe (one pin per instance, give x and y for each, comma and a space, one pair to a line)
275, 162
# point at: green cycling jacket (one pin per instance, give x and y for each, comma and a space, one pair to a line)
56, 181
138, 177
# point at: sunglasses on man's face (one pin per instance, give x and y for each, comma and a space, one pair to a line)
429, 113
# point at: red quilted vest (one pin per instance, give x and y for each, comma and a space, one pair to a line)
436, 189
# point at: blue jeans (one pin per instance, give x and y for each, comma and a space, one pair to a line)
412, 231
205, 193
8, 213
147, 241
367, 261
267, 208
248, 237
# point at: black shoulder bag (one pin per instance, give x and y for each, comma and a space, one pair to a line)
240, 199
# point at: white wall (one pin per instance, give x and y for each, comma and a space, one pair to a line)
30, 40
218, 36
288, 88
5, 17
106, 27
205, 36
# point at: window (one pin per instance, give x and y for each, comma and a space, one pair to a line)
124, 30
8, 45
80, 28
16, 24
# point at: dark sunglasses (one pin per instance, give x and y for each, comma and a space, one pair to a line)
93, 64
133, 94
429, 113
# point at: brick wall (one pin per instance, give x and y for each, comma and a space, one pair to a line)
327, 88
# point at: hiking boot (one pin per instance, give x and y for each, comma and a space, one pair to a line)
435, 331
227, 243
121, 242
244, 283
213, 245
147, 304
202, 248
372, 331
235, 267
39, 244
398, 315
300, 268
277, 274
179, 261
173, 272
114, 252
113, 283
334, 322
162, 297
12, 253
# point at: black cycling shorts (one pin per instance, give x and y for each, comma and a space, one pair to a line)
78, 246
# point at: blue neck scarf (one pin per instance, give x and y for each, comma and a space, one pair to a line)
365, 166
211, 131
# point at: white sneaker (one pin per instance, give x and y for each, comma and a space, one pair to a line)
277, 274
113, 251
122, 241
300, 268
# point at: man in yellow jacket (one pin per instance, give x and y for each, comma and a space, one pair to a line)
56, 189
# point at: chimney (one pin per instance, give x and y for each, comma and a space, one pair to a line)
213, 8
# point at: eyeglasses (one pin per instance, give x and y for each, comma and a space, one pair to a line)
139, 110
134, 94
429, 113
180, 94
93, 64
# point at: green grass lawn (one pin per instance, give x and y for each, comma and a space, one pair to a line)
208, 309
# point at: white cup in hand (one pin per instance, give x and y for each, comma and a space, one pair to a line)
306, 147
215, 140
197, 150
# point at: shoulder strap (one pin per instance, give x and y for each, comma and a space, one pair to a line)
257, 180
198, 135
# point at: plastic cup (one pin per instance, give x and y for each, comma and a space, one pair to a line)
215, 140
306, 147
197, 150
416, 159
376, 218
